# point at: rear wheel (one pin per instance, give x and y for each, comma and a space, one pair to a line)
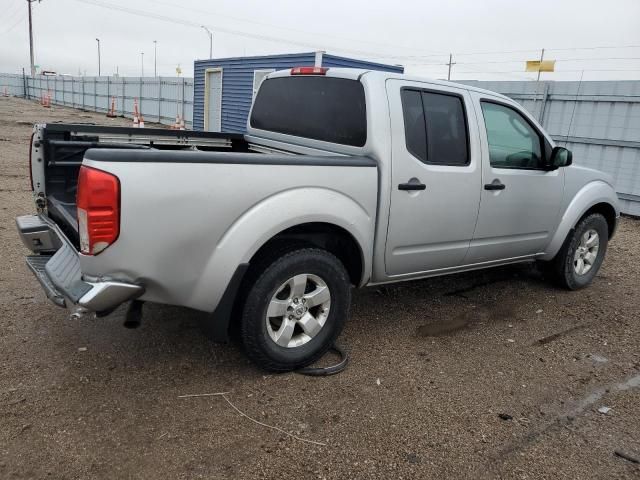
295, 308
582, 253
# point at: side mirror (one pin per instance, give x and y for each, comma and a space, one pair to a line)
560, 157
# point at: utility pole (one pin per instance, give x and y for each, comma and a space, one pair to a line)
535, 98
540, 66
450, 64
33, 65
210, 40
98, 40
155, 58
142, 63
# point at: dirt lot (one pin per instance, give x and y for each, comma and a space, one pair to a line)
434, 365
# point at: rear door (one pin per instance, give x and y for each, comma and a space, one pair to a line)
435, 188
520, 200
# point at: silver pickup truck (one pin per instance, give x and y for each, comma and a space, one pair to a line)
344, 178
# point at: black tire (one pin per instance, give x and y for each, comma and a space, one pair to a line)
561, 268
264, 280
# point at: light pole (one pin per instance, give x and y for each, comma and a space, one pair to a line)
98, 40
210, 40
155, 58
33, 66
142, 63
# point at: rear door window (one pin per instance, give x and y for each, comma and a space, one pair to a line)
435, 127
317, 107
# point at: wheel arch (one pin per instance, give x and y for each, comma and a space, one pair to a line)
327, 236
319, 216
595, 197
607, 211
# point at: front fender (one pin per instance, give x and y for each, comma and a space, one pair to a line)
591, 194
272, 215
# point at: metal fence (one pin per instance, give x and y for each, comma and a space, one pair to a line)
598, 120
160, 99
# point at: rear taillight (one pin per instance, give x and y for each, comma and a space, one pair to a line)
309, 71
30, 161
98, 203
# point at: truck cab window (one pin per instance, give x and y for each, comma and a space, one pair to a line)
435, 127
513, 142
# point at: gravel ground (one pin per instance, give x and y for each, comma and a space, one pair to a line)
434, 365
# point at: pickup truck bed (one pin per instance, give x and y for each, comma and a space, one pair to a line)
63, 146
192, 174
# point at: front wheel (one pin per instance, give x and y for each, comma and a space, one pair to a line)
295, 308
582, 253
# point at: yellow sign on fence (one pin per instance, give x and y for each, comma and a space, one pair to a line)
540, 66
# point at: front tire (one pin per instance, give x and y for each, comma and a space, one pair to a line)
296, 306
582, 253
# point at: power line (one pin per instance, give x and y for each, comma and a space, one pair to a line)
594, 48
14, 25
557, 60
501, 52
585, 59
281, 27
10, 15
561, 71
314, 45
178, 21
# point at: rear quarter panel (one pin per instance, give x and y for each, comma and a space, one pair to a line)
185, 227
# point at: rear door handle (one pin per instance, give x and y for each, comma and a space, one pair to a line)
494, 186
412, 186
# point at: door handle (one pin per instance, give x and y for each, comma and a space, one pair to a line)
495, 186
412, 186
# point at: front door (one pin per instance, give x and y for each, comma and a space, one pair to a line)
520, 200
435, 188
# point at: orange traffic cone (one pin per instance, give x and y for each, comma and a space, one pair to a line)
111, 113
47, 100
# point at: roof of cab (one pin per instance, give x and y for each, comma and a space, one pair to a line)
357, 73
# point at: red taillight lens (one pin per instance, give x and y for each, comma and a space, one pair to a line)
98, 202
309, 71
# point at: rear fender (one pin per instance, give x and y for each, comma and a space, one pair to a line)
272, 215
588, 196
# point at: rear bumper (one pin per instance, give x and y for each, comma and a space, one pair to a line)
56, 265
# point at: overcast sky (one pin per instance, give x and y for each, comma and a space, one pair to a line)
484, 35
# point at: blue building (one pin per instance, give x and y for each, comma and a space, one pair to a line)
224, 88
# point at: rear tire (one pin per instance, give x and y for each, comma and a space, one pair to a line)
581, 255
296, 306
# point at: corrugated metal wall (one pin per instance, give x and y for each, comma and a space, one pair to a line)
237, 82
598, 120
160, 98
